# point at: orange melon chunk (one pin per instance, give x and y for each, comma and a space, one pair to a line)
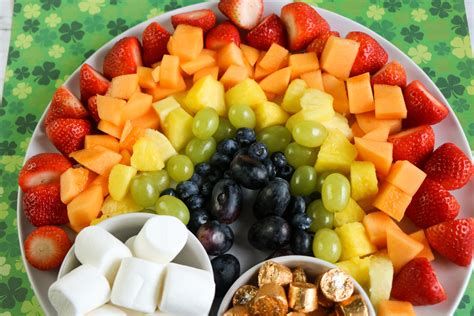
126, 156
376, 224
203, 61
356, 130
389, 102
379, 134
159, 92
138, 104
302, 63
273, 58
169, 71
426, 252
155, 73
103, 182
98, 159
392, 201
250, 53
148, 120
395, 308
187, 42
336, 88
109, 128
106, 141
338, 56
229, 55
233, 75
110, 109
72, 182
209, 52
277, 82
313, 79
85, 207
359, 93
380, 153
401, 248
406, 176
130, 134
212, 71
124, 86
368, 122
145, 77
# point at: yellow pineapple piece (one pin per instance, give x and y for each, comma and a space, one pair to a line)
97, 220
310, 114
293, 94
339, 122
247, 92
164, 107
119, 180
336, 153
206, 92
380, 278
352, 213
317, 99
146, 155
358, 269
178, 128
354, 241
111, 207
269, 114
166, 148
363, 178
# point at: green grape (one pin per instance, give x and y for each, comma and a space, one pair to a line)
160, 179
321, 217
224, 130
205, 123
143, 190
275, 137
309, 133
336, 192
172, 206
200, 150
242, 116
180, 168
326, 245
321, 177
298, 155
303, 181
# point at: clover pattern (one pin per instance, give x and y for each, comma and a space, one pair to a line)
51, 38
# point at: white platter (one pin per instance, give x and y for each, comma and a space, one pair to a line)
452, 277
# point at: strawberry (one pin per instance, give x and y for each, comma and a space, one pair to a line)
68, 134
270, 30
91, 83
244, 13
453, 239
222, 35
414, 144
205, 19
42, 169
449, 166
92, 107
42, 205
317, 45
64, 104
422, 106
154, 38
370, 57
392, 74
417, 283
46, 247
123, 58
303, 24
432, 204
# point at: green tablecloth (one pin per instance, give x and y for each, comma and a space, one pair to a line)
51, 38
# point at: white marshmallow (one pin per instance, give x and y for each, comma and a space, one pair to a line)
80, 291
161, 239
96, 246
130, 242
137, 285
107, 310
186, 290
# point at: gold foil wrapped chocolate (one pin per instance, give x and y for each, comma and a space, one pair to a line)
336, 285
299, 275
239, 310
302, 297
272, 272
244, 295
269, 301
353, 306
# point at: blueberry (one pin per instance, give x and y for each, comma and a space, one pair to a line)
270, 168
206, 189
220, 160
278, 159
301, 242
202, 169
226, 270
300, 221
195, 202
258, 151
169, 191
196, 178
286, 172
245, 136
312, 197
214, 175
297, 205
228, 147
196, 219
187, 189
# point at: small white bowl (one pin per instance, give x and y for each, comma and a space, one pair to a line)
312, 267
128, 225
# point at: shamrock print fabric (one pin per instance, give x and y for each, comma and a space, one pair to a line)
51, 38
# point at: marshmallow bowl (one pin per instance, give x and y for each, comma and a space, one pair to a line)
134, 264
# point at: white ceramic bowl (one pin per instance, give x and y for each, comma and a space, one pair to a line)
312, 267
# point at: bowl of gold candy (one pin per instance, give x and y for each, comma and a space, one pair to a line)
294, 286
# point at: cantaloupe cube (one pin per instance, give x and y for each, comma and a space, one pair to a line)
208, 52
364, 183
212, 71
314, 79
303, 63
203, 61
293, 94
250, 53
98, 159
338, 56
270, 96
164, 107
187, 42
260, 72
145, 78
125, 157
169, 71
376, 224
110, 109
359, 93
103, 182
277, 82
426, 252
336, 153
109, 128
350, 214
273, 58
406, 176
233, 75
148, 120
166, 149
250, 68
207, 92
119, 180
85, 207
358, 268
124, 86
389, 102
129, 136
379, 134
155, 74
178, 128
395, 308
72, 182
247, 92
392, 201
354, 241
106, 141
380, 278
380, 153
269, 114
336, 88
368, 122
356, 130
229, 55
401, 248
160, 92
138, 104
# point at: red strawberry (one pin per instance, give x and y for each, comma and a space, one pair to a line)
449, 166
42, 205
42, 169
417, 283
414, 144
64, 104
92, 107
303, 24
154, 38
270, 30
91, 83
244, 13
392, 74
422, 106
123, 58
222, 35
453, 239
317, 45
371, 56
205, 19
432, 204
46, 247
68, 134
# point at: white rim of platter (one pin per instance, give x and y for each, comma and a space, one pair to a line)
453, 278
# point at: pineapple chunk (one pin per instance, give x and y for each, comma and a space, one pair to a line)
97, 220
146, 155
247, 92
206, 92
293, 94
166, 149
339, 122
317, 99
358, 269
164, 107
180, 97
336, 153
269, 114
364, 182
380, 278
119, 180
111, 207
310, 114
354, 241
352, 213
178, 128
